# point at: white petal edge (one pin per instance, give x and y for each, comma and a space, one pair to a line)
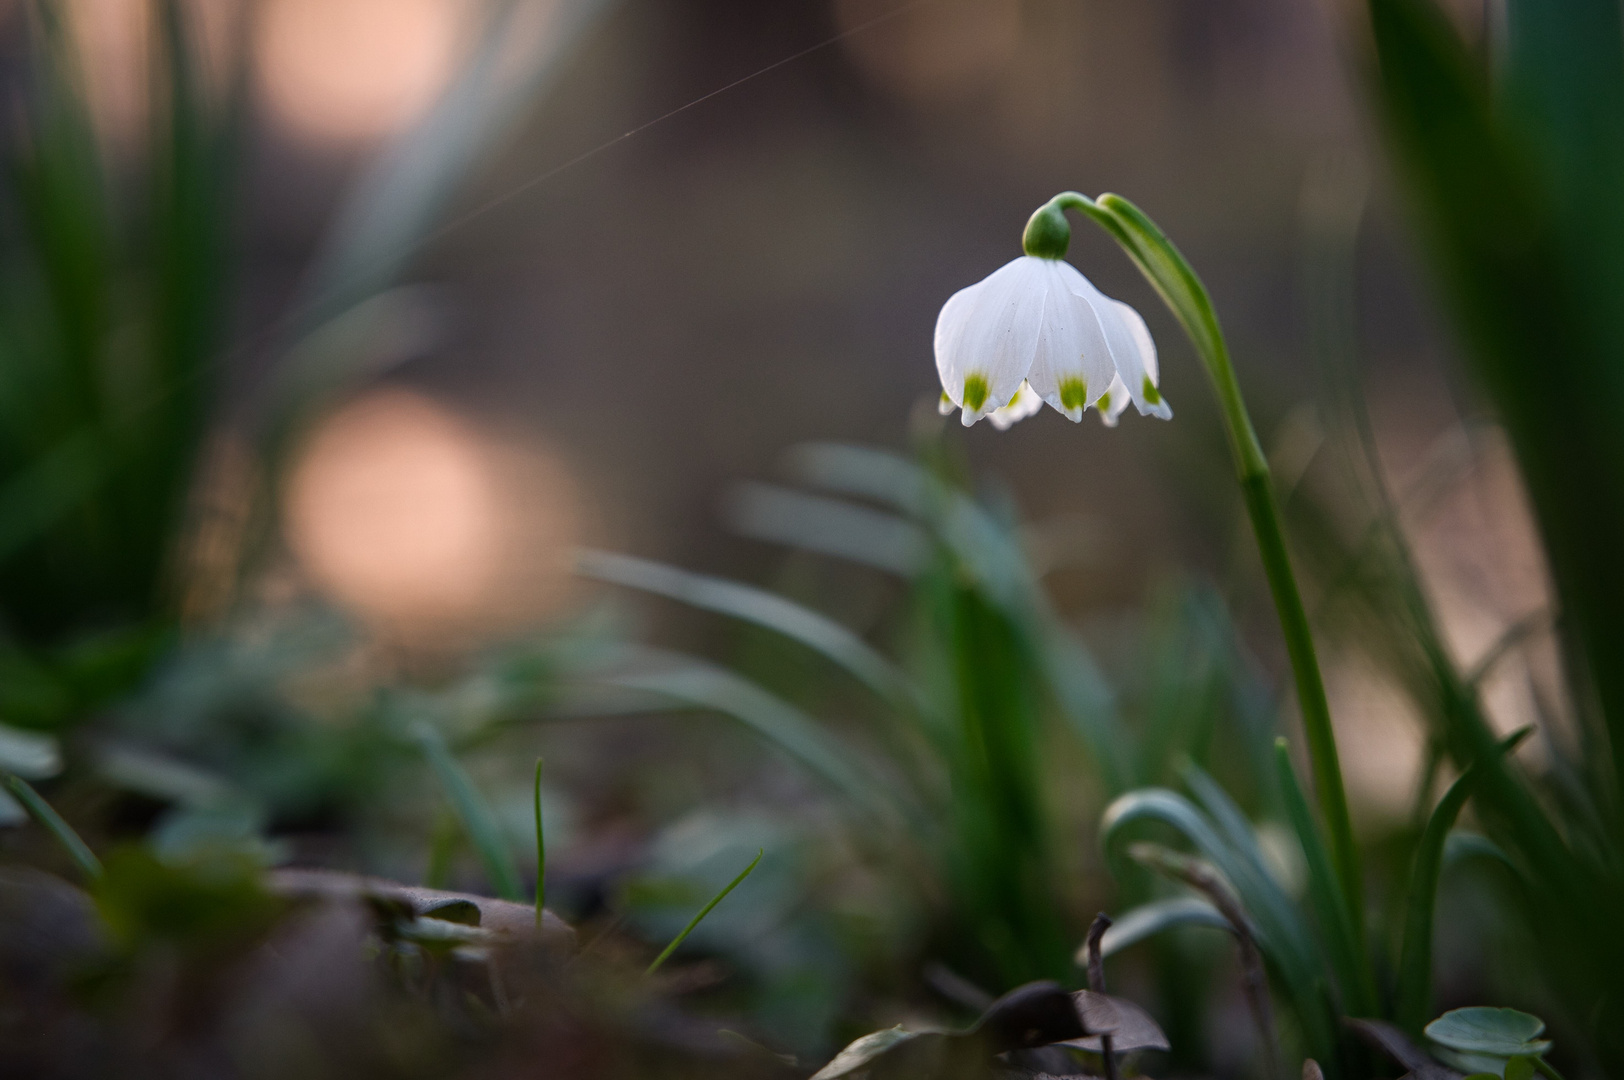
1113, 402
1124, 346
990, 329
1147, 357
1025, 402
1071, 349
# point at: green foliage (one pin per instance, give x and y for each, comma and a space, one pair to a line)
116, 300
963, 716
1501, 1042
109, 326
473, 812
1415, 958
1220, 834
203, 907
1513, 170
59, 829
706, 910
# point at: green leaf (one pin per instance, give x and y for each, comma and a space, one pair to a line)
29, 754
1415, 955
1282, 934
817, 632
706, 910
473, 811
696, 683
828, 526
1343, 943
1486, 1030
1520, 1068
53, 823
861, 1052
1148, 920
38, 496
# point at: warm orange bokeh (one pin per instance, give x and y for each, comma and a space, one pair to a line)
403, 512
342, 71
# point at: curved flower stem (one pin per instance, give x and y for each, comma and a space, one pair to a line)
1187, 298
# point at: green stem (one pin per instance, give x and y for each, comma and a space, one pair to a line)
541, 852
46, 815
1187, 298
706, 910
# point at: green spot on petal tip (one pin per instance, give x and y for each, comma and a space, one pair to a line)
1152, 395
1074, 393
975, 392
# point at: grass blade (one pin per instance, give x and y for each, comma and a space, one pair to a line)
1415, 955
541, 851
474, 812
828, 526
1148, 920
817, 632
695, 683
1281, 931
706, 910
77, 849
1344, 941
397, 203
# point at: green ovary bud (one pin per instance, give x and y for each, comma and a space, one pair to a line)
975, 392
1074, 393
1152, 395
1047, 233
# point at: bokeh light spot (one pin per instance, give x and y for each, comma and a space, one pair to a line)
340, 71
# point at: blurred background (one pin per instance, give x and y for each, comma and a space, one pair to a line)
640, 329
497, 281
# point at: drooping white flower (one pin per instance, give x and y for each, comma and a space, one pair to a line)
1038, 330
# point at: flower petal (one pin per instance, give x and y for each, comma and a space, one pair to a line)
1072, 364
1113, 401
1128, 349
1152, 381
1023, 404
986, 335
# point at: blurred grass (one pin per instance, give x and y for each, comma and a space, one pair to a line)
1514, 163
962, 727
971, 693
109, 325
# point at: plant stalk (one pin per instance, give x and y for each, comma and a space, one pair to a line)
1096, 983
1187, 298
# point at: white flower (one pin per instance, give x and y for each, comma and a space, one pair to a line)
1037, 330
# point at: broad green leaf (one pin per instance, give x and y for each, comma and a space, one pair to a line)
1520, 1068
1486, 1030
